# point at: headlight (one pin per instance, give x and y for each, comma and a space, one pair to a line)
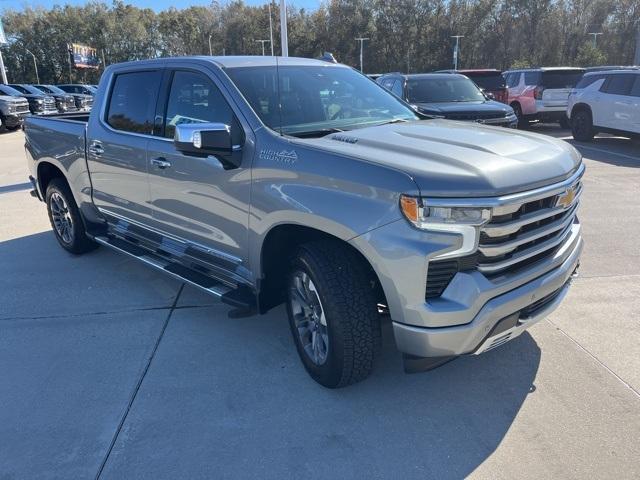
463, 221
39, 101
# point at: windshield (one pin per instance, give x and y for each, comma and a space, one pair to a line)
27, 89
51, 89
316, 98
443, 89
489, 81
7, 90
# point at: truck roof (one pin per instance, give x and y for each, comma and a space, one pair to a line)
240, 61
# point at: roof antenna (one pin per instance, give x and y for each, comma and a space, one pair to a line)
279, 98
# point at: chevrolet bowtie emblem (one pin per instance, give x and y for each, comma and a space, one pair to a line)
566, 199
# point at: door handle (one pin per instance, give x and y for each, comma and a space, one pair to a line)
96, 148
160, 162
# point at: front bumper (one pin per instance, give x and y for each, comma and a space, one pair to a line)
500, 319
14, 119
510, 121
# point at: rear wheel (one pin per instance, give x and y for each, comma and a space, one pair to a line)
582, 126
522, 122
65, 218
333, 313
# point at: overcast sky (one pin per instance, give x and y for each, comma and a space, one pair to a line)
155, 4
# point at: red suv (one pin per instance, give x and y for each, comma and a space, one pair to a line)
541, 94
489, 80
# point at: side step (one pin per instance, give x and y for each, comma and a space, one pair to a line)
241, 297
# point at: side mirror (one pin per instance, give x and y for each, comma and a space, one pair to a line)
202, 139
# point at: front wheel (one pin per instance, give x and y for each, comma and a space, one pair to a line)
582, 126
333, 313
65, 218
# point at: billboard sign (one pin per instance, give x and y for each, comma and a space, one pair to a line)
3, 37
83, 56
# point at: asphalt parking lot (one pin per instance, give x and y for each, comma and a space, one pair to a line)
109, 369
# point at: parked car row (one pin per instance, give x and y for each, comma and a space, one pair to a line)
19, 100
601, 98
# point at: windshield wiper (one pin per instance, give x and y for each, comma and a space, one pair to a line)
321, 132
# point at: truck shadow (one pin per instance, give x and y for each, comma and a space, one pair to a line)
224, 396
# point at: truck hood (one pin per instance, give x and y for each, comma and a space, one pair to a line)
458, 159
11, 100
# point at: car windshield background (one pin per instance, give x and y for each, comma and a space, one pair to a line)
28, 89
488, 81
561, 78
316, 98
54, 89
7, 90
441, 90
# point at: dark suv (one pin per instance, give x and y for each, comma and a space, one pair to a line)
450, 96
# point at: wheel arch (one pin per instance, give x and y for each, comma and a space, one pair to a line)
578, 107
275, 254
47, 171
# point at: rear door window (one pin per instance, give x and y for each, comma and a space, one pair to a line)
558, 79
531, 79
132, 102
619, 84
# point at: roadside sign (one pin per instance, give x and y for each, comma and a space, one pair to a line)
3, 37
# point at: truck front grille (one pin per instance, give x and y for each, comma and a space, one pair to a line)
522, 233
474, 115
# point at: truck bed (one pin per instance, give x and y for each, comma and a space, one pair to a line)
59, 137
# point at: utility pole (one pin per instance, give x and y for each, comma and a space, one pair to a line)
270, 29
210, 51
361, 40
456, 50
35, 65
284, 40
595, 38
262, 42
636, 58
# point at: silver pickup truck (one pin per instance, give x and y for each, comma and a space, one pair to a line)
264, 180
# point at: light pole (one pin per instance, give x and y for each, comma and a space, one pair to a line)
283, 28
210, 51
262, 42
361, 40
456, 50
595, 38
270, 29
35, 65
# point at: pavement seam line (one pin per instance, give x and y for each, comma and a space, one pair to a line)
600, 362
136, 389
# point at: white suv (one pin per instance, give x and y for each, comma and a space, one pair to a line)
605, 102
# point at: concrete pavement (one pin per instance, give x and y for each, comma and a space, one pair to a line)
111, 370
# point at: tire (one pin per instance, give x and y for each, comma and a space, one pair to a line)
65, 218
345, 313
517, 109
565, 123
582, 126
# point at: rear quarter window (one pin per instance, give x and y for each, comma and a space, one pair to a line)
132, 102
531, 78
588, 80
